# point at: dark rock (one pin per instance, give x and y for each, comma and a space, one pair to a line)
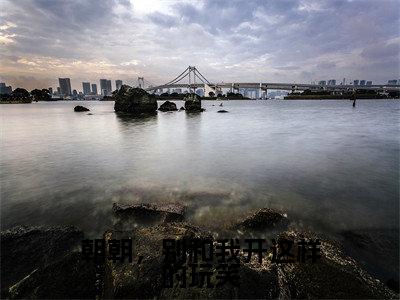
262, 219
68, 278
128, 280
377, 250
146, 214
134, 101
90, 114
334, 276
193, 103
25, 249
80, 108
182, 108
222, 111
168, 106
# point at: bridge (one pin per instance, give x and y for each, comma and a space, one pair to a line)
192, 74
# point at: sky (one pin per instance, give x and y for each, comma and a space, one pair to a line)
228, 41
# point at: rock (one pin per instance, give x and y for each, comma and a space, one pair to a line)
168, 106
134, 101
25, 249
127, 281
377, 250
80, 108
334, 276
222, 111
90, 114
193, 103
68, 278
182, 108
262, 219
146, 214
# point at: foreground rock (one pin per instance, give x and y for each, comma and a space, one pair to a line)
80, 108
193, 103
127, 280
168, 106
67, 278
26, 249
377, 250
150, 214
264, 219
334, 276
134, 101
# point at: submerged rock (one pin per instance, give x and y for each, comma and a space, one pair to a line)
134, 100
262, 219
182, 108
147, 214
25, 249
80, 108
168, 106
222, 111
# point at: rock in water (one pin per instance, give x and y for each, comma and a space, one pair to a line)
182, 108
80, 108
262, 219
146, 214
25, 249
135, 101
222, 111
193, 103
168, 106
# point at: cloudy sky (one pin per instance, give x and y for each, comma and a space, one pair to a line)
260, 41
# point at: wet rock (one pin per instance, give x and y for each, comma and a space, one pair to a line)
377, 250
67, 278
147, 214
128, 280
222, 111
80, 108
25, 249
263, 219
134, 101
182, 108
90, 114
168, 106
334, 275
193, 103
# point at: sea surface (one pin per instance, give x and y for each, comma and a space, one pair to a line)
328, 166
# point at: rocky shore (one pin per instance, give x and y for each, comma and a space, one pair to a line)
48, 262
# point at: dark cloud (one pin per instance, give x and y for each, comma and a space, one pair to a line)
229, 40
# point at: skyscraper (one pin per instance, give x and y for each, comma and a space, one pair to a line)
94, 89
65, 86
118, 84
362, 82
369, 82
105, 87
86, 88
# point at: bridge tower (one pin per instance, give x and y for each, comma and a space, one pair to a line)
140, 81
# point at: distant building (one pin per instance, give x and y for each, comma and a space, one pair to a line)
58, 90
50, 90
105, 87
118, 84
332, 82
74, 93
344, 81
355, 82
94, 89
5, 89
362, 82
86, 88
368, 83
322, 82
392, 82
65, 86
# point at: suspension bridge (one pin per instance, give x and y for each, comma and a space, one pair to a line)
191, 79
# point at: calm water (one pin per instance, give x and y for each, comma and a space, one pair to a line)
328, 166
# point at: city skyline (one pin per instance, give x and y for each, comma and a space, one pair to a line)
276, 41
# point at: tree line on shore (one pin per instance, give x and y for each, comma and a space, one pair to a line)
23, 96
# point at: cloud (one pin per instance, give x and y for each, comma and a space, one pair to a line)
285, 40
